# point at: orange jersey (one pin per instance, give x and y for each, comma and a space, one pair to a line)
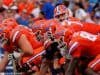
51, 24
19, 30
29, 7
38, 25
84, 44
73, 27
91, 27
15, 33
95, 64
45, 25
83, 26
20, 7
68, 30
7, 2
60, 31
14, 36
25, 6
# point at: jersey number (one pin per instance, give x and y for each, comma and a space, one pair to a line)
88, 36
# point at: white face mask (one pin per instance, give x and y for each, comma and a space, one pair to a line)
62, 18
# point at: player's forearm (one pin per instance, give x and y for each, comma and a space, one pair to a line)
25, 45
91, 72
71, 67
4, 62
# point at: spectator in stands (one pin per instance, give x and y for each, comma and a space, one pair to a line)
23, 19
21, 5
40, 17
14, 10
66, 3
48, 9
80, 12
2, 10
97, 17
7, 3
59, 2
35, 12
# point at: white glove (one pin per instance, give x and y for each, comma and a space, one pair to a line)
17, 54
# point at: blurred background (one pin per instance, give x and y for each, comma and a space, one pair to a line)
26, 12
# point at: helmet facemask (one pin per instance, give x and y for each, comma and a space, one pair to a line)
61, 17
61, 13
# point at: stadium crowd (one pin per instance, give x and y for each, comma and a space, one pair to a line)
27, 11
50, 37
